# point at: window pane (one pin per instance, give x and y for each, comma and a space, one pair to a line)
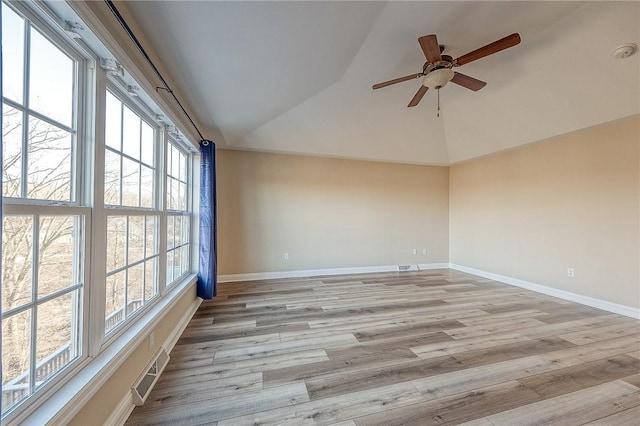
16, 343
12, 55
185, 258
135, 288
150, 278
56, 335
177, 263
182, 196
170, 232
57, 242
11, 150
183, 167
113, 123
147, 144
175, 162
170, 267
152, 247
177, 231
136, 238
175, 194
146, 186
17, 255
51, 80
130, 133
111, 178
116, 242
114, 308
49, 162
130, 183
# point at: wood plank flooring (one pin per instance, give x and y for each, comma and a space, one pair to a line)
435, 347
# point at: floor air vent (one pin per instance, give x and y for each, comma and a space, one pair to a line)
403, 268
142, 388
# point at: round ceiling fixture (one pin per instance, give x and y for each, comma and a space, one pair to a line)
437, 78
625, 50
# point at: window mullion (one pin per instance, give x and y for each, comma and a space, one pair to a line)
161, 193
25, 103
35, 253
96, 314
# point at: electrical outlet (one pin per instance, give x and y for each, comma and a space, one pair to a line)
415, 251
286, 256
424, 251
571, 273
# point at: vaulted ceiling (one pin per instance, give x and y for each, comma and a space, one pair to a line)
296, 77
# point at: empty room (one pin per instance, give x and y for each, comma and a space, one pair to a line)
320, 212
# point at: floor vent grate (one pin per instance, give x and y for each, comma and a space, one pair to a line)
142, 387
403, 268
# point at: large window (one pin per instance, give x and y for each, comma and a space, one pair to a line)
96, 206
132, 243
178, 217
43, 251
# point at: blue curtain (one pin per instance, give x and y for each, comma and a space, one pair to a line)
208, 265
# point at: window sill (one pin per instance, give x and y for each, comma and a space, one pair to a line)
60, 404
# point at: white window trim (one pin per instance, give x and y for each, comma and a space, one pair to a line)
61, 398
77, 205
62, 403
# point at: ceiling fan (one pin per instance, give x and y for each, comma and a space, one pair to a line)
438, 70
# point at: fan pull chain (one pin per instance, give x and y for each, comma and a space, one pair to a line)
438, 102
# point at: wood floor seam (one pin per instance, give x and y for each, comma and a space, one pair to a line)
436, 347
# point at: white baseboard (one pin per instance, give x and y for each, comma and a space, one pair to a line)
124, 408
175, 334
424, 266
320, 272
122, 411
562, 294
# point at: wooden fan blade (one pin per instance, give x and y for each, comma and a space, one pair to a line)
397, 80
418, 96
489, 49
430, 47
468, 82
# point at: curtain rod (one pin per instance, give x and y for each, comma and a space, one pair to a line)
143, 52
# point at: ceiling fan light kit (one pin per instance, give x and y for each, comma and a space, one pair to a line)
438, 78
438, 70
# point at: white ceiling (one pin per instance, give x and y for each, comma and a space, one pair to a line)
296, 77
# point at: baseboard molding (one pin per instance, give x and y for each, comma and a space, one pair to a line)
122, 411
562, 294
320, 272
177, 331
425, 266
124, 408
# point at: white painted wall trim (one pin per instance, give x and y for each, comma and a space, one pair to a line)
562, 294
122, 411
124, 408
69, 399
320, 272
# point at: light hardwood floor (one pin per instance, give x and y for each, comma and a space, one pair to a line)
433, 347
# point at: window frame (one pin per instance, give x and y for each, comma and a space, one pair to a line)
101, 351
186, 213
114, 86
78, 204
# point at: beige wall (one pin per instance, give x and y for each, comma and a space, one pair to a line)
327, 213
101, 406
569, 202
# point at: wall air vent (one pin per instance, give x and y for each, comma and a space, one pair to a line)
403, 268
142, 387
